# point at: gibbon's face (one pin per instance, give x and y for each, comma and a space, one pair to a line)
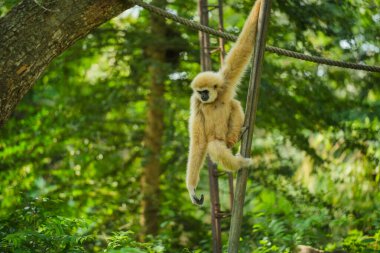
207, 95
206, 86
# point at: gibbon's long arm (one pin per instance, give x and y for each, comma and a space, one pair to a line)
235, 123
197, 152
240, 54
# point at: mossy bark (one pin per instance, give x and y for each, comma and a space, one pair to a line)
32, 35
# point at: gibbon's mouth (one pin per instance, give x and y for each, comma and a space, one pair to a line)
204, 98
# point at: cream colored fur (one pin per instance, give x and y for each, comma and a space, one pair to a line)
215, 124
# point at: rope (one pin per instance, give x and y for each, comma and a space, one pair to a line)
276, 50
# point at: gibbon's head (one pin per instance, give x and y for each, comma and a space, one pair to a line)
207, 85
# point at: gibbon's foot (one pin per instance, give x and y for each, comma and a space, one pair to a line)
193, 196
248, 162
245, 162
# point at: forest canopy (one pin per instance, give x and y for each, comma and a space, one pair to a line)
93, 158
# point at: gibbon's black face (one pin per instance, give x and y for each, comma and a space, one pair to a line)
204, 94
207, 95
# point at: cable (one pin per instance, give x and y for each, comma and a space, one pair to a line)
276, 50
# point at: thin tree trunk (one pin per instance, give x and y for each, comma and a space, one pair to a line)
156, 51
32, 35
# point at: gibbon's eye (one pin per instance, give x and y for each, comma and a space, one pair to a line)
215, 86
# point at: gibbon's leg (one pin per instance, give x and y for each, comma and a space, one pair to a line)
219, 153
235, 123
197, 153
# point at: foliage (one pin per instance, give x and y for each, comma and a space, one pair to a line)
72, 153
6, 5
36, 226
356, 242
122, 242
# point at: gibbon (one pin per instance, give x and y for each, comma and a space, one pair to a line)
216, 118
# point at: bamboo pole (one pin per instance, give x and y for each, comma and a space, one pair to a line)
222, 54
250, 116
204, 38
212, 168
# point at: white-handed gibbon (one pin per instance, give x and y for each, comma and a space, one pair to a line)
216, 117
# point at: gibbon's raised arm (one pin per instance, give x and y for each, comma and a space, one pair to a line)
240, 54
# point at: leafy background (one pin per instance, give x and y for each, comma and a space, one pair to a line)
73, 154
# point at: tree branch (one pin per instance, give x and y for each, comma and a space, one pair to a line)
31, 37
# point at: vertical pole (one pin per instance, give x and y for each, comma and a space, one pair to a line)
222, 55
215, 207
250, 115
221, 28
204, 38
212, 168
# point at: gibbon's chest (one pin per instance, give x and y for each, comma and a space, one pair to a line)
216, 116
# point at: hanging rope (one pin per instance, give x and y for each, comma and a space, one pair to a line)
276, 50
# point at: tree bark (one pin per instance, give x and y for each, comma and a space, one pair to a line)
32, 35
156, 52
